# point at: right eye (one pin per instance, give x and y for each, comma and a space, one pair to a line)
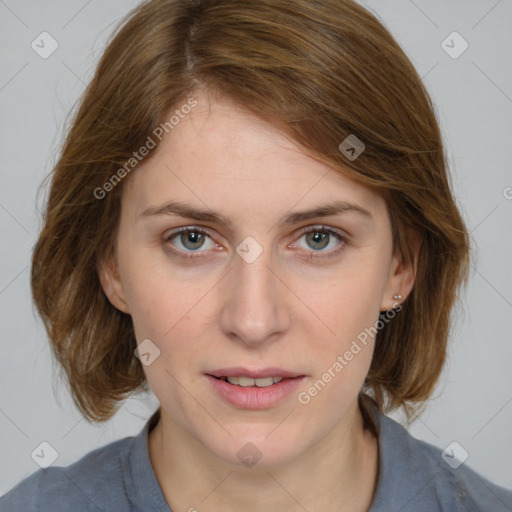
190, 238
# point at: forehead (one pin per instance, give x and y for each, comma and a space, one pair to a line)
221, 157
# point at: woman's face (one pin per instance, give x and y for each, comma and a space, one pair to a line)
254, 294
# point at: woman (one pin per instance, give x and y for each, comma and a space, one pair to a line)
251, 216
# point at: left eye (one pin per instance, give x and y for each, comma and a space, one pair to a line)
320, 237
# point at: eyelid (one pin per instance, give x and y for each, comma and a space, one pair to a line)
186, 229
322, 227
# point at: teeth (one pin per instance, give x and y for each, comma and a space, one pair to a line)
246, 382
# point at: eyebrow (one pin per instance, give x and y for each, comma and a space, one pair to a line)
184, 210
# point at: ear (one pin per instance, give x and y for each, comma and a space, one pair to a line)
111, 283
402, 272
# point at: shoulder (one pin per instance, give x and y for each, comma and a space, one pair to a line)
453, 477
419, 476
84, 483
470, 487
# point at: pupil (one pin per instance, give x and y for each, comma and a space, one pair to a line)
318, 237
193, 238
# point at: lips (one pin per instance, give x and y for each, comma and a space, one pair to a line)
254, 397
254, 374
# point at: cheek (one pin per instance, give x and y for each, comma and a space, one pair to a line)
172, 313
342, 358
166, 312
349, 305
344, 341
154, 299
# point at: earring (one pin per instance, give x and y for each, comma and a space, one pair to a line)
397, 296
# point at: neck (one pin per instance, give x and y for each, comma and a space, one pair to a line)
342, 468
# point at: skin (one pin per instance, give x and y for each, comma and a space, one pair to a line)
284, 309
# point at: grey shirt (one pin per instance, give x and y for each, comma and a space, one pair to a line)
119, 477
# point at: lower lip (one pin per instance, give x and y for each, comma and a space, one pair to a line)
254, 397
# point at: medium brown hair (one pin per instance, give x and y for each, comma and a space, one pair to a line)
320, 70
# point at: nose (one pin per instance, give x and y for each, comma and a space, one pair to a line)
254, 310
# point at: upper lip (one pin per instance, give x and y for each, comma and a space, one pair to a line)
255, 374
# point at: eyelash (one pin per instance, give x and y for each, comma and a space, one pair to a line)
310, 229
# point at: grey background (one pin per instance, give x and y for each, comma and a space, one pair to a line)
473, 93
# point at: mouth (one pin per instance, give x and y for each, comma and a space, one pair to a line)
254, 389
248, 382
245, 377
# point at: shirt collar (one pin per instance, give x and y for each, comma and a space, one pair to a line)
403, 473
143, 481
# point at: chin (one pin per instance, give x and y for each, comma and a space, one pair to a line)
259, 450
